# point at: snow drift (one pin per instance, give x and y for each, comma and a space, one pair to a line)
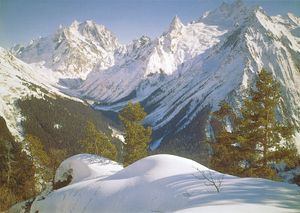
162, 183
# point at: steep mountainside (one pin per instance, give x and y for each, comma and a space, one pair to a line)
193, 67
19, 80
148, 64
31, 103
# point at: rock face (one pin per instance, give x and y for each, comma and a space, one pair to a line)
184, 72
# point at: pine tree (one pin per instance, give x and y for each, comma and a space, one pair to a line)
96, 142
41, 161
261, 130
137, 137
258, 138
17, 170
56, 156
226, 152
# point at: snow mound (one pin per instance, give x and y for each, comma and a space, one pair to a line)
164, 183
86, 166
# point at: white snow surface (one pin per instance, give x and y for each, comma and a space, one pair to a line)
86, 166
163, 183
117, 134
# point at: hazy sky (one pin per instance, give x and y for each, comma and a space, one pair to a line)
23, 20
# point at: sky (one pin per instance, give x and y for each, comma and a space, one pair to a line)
23, 20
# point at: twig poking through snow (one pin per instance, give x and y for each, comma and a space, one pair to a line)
211, 179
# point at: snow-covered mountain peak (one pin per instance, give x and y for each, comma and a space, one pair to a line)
95, 33
141, 42
146, 61
74, 24
176, 24
73, 51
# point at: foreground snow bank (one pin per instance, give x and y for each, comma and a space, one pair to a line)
163, 183
86, 166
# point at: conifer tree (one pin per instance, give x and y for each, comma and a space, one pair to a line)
96, 142
56, 157
41, 161
268, 139
137, 137
226, 153
17, 170
258, 138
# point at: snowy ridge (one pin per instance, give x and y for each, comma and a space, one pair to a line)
73, 51
231, 68
190, 67
19, 80
166, 183
197, 65
147, 64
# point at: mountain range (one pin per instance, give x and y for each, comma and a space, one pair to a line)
179, 77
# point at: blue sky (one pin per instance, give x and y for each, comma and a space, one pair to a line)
23, 20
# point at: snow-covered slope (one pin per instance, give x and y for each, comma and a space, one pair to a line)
149, 63
189, 68
231, 67
73, 51
165, 183
19, 80
194, 66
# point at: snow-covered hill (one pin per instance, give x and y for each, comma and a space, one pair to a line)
162, 183
73, 51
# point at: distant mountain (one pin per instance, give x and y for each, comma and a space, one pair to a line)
149, 63
73, 51
181, 76
193, 67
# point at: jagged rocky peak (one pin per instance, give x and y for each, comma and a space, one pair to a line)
176, 24
136, 48
142, 41
96, 33
74, 50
